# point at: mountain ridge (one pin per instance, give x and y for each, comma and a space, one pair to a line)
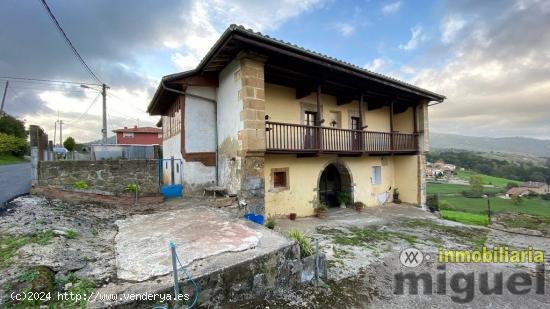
515, 145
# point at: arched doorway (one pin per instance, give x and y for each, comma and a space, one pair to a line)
334, 178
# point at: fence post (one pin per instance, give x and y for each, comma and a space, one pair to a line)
175, 269
488, 212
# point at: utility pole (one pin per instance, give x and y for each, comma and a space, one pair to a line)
54, 132
4, 98
104, 130
61, 133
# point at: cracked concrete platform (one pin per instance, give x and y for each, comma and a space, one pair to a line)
142, 250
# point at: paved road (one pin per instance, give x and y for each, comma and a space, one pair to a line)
15, 179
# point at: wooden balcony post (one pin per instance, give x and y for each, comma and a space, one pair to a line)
391, 126
361, 142
415, 126
318, 119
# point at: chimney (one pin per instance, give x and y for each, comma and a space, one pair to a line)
125, 127
135, 126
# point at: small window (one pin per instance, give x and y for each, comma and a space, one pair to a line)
376, 175
177, 168
128, 134
159, 135
279, 178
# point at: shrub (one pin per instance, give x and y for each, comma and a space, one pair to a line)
133, 187
305, 245
13, 145
432, 201
270, 223
511, 185
71, 234
476, 185
81, 184
343, 197
517, 200
546, 197
444, 205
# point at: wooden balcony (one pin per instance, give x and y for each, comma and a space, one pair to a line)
302, 139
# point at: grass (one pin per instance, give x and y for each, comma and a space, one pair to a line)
306, 249
486, 179
531, 206
71, 234
528, 222
474, 236
9, 244
450, 188
465, 217
365, 236
10, 159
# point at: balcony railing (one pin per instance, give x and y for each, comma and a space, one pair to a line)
297, 138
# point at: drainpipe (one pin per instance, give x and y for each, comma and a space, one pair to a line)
215, 117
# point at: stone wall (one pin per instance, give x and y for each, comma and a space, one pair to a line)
110, 176
252, 136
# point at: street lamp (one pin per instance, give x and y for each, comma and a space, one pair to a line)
104, 95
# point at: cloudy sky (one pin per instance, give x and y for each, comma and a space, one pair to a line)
490, 58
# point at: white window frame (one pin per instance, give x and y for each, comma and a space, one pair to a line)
376, 178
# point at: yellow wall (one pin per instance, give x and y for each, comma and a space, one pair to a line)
406, 178
304, 175
282, 106
403, 122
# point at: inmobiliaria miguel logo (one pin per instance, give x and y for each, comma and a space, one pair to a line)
463, 284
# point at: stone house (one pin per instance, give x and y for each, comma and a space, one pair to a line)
286, 128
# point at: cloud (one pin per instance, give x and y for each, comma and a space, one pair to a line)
450, 27
345, 29
391, 8
207, 17
129, 44
376, 65
417, 36
498, 78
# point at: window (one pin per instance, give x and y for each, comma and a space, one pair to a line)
127, 134
279, 178
376, 178
355, 123
310, 118
159, 135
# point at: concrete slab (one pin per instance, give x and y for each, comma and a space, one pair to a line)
142, 241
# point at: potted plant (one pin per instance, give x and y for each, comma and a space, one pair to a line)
359, 206
292, 216
321, 211
343, 198
396, 196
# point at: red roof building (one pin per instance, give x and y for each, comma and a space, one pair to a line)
139, 136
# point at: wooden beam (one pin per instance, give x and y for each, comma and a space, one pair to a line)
361, 112
341, 100
303, 92
415, 121
391, 125
318, 118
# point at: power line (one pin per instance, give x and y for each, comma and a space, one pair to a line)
88, 109
69, 43
22, 79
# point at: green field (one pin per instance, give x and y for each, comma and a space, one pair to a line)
465, 217
9, 159
456, 207
532, 206
486, 179
449, 188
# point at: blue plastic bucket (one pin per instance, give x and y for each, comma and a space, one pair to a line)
169, 191
254, 218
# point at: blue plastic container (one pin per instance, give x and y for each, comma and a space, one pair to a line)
254, 218
169, 191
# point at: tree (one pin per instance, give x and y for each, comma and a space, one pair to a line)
69, 143
517, 200
475, 184
511, 185
11, 126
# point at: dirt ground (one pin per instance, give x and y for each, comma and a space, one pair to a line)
363, 252
73, 243
75, 246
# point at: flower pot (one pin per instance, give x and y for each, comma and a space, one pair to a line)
359, 209
342, 205
322, 215
292, 216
